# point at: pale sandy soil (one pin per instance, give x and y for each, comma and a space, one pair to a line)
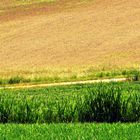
71, 34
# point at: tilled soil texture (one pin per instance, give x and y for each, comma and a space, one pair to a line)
71, 33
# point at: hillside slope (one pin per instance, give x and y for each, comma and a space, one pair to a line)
96, 33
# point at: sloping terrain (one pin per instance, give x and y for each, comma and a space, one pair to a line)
76, 34
6, 4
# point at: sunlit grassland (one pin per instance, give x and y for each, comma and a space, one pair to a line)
78, 131
54, 75
102, 102
34, 114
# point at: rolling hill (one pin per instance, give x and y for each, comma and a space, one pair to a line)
70, 34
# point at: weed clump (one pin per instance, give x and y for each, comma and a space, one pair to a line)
15, 80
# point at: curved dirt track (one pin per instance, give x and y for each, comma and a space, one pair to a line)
65, 83
97, 33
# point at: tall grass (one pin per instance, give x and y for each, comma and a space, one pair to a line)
62, 76
110, 104
96, 103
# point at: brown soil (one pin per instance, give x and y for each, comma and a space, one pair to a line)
70, 33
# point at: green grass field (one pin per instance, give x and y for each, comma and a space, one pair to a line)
35, 114
103, 102
76, 131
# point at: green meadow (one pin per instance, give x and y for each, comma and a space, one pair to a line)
76, 131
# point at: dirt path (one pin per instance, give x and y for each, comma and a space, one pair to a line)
64, 83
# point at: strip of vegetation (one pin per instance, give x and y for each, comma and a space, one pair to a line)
70, 131
104, 102
5, 6
132, 74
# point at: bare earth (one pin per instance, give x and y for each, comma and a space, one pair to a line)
71, 34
